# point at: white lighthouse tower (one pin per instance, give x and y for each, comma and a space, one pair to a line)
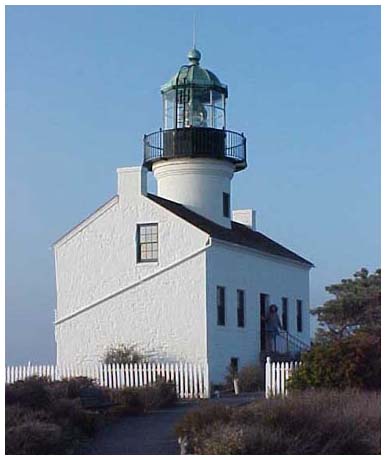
194, 157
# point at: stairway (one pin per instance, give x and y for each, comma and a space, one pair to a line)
287, 347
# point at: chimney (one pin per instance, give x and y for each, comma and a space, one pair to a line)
131, 182
246, 217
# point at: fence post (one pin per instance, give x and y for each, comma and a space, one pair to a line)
268, 377
283, 380
206, 392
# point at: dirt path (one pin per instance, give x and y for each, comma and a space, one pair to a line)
151, 434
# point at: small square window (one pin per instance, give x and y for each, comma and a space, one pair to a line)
147, 243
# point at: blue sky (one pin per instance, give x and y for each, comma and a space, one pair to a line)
82, 87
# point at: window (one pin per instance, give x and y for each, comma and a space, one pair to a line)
240, 308
220, 306
284, 313
299, 315
226, 204
264, 301
147, 243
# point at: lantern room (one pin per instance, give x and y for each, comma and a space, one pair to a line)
194, 119
194, 97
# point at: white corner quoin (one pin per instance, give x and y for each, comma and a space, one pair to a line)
178, 274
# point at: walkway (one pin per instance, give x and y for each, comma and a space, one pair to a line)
151, 434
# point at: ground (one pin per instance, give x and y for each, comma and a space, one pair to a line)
151, 434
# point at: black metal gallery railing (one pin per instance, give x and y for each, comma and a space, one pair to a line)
195, 142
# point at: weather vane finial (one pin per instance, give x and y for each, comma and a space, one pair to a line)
194, 30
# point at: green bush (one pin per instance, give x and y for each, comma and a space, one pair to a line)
351, 362
305, 423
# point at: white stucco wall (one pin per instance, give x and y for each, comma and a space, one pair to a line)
99, 258
235, 267
196, 183
164, 316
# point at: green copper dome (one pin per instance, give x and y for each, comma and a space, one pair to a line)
193, 75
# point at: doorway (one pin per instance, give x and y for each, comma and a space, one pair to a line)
263, 310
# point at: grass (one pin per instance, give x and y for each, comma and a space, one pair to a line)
305, 423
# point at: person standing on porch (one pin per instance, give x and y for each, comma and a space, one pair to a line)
273, 327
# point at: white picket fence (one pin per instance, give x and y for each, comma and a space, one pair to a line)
191, 380
277, 375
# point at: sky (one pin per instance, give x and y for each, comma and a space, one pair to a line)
83, 86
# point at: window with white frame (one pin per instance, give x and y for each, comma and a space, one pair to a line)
147, 242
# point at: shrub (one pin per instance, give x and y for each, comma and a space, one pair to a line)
34, 437
123, 354
136, 401
251, 378
17, 415
305, 423
352, 362
129, 401
195, 422
238, 439
32, 393
75, 384
159, 395
71, 416
58, 389
41, 419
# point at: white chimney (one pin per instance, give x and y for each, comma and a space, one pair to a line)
246, 217
132, 181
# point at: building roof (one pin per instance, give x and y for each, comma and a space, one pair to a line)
237, 234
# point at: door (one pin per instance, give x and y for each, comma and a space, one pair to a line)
263, 311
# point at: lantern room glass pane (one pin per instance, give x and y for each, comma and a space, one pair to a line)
218, 104
188, 107
169, 110
197, 113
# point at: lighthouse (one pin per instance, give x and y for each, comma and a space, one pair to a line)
179, 274
194, 156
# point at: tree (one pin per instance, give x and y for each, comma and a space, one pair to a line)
349, 362
356, 307
347, 352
